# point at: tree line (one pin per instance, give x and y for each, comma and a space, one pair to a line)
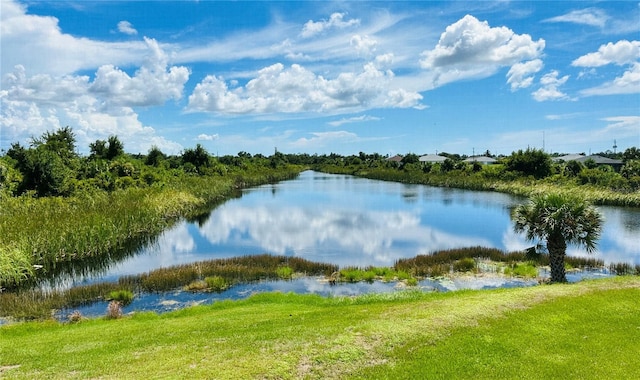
51, 166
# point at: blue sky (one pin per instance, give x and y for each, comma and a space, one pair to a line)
320, 77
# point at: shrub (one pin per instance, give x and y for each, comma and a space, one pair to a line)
530, 162
369, 276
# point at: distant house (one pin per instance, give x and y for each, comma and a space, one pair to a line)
599, 160
432, 158
396, 158
482, 160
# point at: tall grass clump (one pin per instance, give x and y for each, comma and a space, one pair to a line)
15, 265
216, 283
284, 273
527, 270
125, 297
114, 310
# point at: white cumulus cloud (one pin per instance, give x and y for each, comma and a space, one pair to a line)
94, 109
471, 48
549, 89
619, 53
152, 84
521, 74
37, 43
312, 28
622, 53
205, 137
126, 28
295, 89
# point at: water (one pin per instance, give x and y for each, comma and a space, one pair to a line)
349, 221
353, 221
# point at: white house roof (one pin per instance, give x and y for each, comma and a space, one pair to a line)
597, 159
432, 158
481, 159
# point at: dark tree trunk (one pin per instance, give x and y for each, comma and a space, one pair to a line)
557, 248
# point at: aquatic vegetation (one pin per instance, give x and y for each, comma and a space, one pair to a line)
123, 296
216, 283
527, 270
284, 273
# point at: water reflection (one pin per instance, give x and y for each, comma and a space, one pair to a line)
352, 221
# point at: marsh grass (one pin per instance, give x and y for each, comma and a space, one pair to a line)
442, 263
214, 275
220, 274
486, 180
114, 310
94, 226
622, 269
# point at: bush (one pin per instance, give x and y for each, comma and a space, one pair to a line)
532, 162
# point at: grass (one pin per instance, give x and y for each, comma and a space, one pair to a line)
588, 330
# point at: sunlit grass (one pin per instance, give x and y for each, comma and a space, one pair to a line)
531, 332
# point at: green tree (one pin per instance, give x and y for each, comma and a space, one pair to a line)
154, 157
559, 219
197, 157
98, 149
632, 153
61, 142
115, 148
530, 162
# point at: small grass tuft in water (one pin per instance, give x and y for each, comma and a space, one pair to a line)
216, 283
284, 273
527, 270
123, 296
464, 265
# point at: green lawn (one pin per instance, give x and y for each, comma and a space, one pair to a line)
585, 330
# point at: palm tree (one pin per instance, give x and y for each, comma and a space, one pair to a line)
560, 219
